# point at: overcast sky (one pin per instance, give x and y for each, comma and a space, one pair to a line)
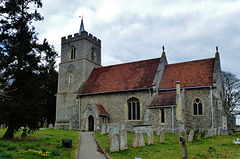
132, 30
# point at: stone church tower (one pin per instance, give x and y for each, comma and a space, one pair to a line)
79, 55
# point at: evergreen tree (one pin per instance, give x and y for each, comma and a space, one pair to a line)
22, 65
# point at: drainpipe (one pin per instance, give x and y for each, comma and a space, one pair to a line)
172, 121
149, 95
79, 107
211, 103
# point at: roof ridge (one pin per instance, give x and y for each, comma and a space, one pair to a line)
191, 61
126, 63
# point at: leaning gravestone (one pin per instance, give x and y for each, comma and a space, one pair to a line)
150, 136
210, 133
50, 126
162, 134
123, 138
138, 140
114, 143
45, 124
103, 130
114, 129
190, 136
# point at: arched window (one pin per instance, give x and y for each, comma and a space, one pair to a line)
197, 107
92, 53
72, 53
133, 109
162, 116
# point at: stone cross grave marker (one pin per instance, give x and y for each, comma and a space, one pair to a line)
182, 139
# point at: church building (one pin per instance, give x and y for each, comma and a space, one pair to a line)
149, 92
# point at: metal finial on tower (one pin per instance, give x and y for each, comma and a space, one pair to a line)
163, 48
81, 26
216, 49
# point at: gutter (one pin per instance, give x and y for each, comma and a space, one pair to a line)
167, 106
107, 92
104, 115
173, 89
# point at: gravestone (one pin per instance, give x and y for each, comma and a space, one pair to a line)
50, 126
45, 124
114, 129
210, 133
158, 131
195, 136
150, 136
103, 130
123, 138
190, 136
114, 143
162, 134
138, 140
108, 127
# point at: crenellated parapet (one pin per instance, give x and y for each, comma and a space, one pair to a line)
83, 35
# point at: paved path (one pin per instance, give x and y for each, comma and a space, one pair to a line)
88, 147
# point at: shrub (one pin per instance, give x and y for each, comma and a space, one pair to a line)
4, 155
11, 148
55, 153
27, 147
38, 145
211, 149
44, 149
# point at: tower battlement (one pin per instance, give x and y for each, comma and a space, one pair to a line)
84, 35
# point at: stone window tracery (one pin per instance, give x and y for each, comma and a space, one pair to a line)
72, 53
197, 107
133, 109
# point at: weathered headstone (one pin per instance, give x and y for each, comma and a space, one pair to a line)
162, 134
210, 133
123, 138
195, 136
109, 125
114, 143
138, 140
190, 136
158, 131
150, 136
114, 129
45, 124
50, 126
182, 139
103, 130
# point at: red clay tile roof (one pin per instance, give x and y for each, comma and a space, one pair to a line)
127, 76
193, 73
101, 109
164, 99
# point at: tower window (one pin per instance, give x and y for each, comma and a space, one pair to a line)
92, 53
133, 109
197, 107
70, 79
73, 51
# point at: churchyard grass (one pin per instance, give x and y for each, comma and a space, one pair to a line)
215, 147
45, 143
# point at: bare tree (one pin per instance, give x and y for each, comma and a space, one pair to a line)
231, 92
